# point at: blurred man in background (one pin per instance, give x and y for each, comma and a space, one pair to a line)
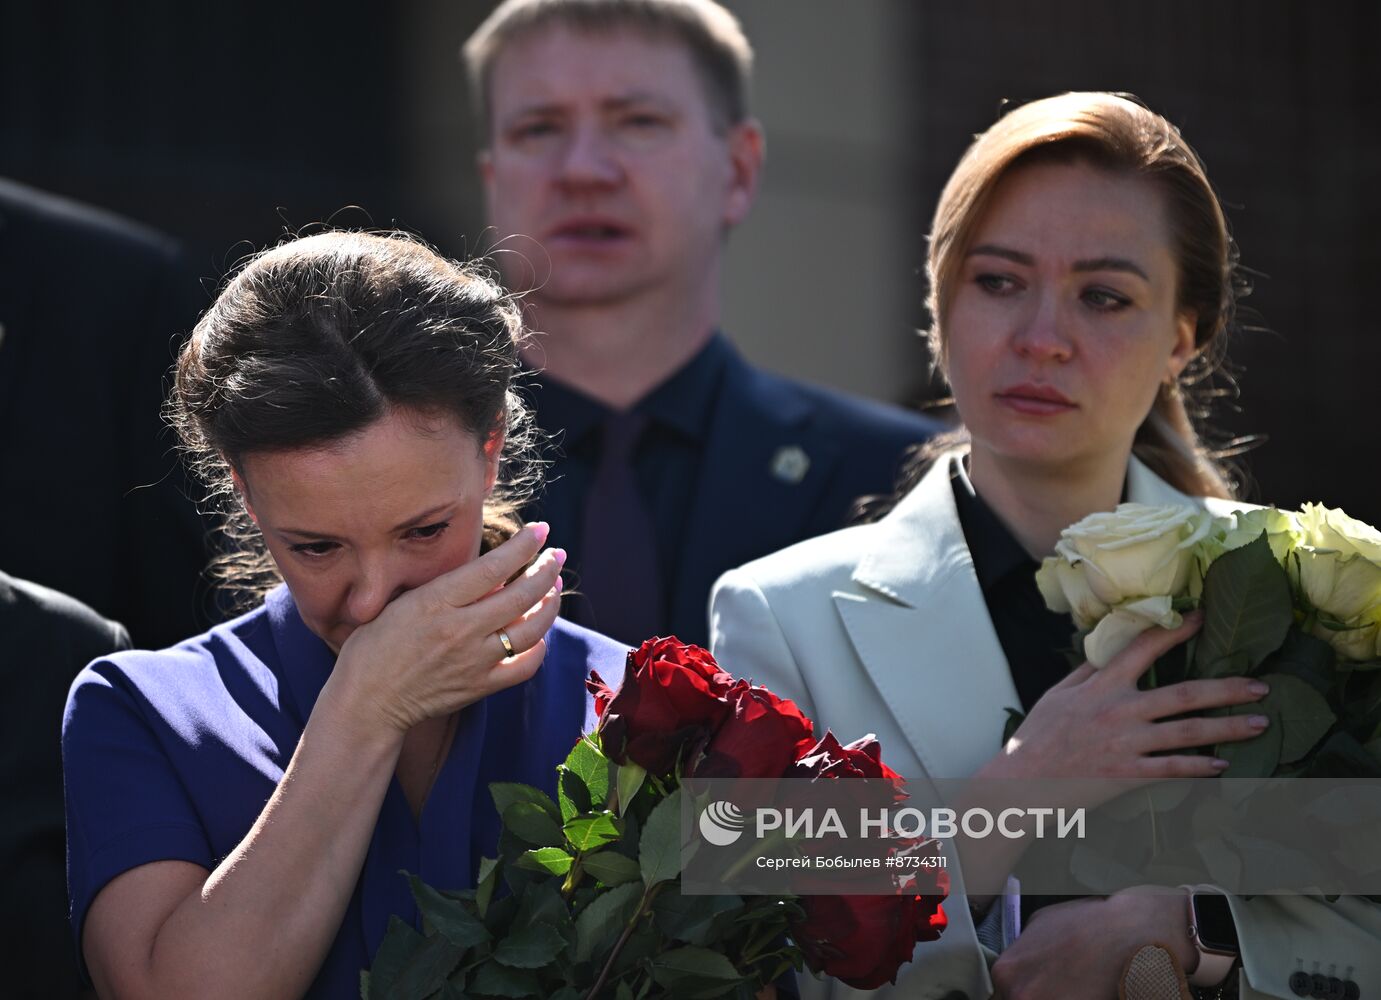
619, 153
92, 505
91, 499
47, 638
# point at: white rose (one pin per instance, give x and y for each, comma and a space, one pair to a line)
1119, 573
1336, 569
1246, 526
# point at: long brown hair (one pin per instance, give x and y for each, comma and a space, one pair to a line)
319, 337
1117, 133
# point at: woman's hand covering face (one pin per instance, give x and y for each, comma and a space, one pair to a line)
436, 649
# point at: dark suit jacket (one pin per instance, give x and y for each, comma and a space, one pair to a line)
783, 461
91, 503
46, 638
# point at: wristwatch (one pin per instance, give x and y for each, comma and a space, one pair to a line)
1213, 934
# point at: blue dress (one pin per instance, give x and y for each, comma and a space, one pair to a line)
172, 755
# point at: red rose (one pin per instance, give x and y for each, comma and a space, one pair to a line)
865, 940
862, 758
672, 694
760, 739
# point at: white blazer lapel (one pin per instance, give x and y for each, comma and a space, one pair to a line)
922, 631
1144, 486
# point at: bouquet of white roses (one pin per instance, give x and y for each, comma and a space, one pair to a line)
1293, 597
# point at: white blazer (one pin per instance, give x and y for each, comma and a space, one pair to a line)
882, 628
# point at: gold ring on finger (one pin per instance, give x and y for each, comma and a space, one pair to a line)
507, 643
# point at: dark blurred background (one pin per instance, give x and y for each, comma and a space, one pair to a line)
228, 125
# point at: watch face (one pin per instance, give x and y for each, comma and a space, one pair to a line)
1213, 917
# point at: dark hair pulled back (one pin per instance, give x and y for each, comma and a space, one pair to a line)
315, 339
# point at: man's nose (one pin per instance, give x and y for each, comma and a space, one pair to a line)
590, 157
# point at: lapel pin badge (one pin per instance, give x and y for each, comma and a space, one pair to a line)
790, 463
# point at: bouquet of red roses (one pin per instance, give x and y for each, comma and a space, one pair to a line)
594, 906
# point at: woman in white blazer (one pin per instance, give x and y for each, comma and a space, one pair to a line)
1082, 280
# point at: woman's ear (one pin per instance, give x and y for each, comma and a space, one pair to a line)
1186, 345
493, 457
243, 491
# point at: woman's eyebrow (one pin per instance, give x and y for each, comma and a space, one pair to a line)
315, 536
1111, 264
993, 250
411, 522
426, 515
1091, 264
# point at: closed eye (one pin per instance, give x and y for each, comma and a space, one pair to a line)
314, 549
429, 531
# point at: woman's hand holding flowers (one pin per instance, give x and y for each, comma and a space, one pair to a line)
1095, 723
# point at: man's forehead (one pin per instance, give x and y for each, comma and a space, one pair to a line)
556, 64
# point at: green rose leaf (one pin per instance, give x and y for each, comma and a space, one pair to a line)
1160, 797
610, 867
695, 972
507, 793
395, 951
496, 980
1341, 756
533, 947
600, 923
448, 917
552, 860
1219, 859
410, 965
572, 794
690, 918
1300, 711
630, 780
488, 879
1097, 870
659, 849
1247, 609
1303, 656
587, 833
592, 767
543, 904
531, 823
1258, 756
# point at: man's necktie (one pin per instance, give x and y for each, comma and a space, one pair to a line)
620, 573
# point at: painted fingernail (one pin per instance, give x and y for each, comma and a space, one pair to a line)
560, 555
1259, 687
1259, 721
541, 529
559, 585
1219, 764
